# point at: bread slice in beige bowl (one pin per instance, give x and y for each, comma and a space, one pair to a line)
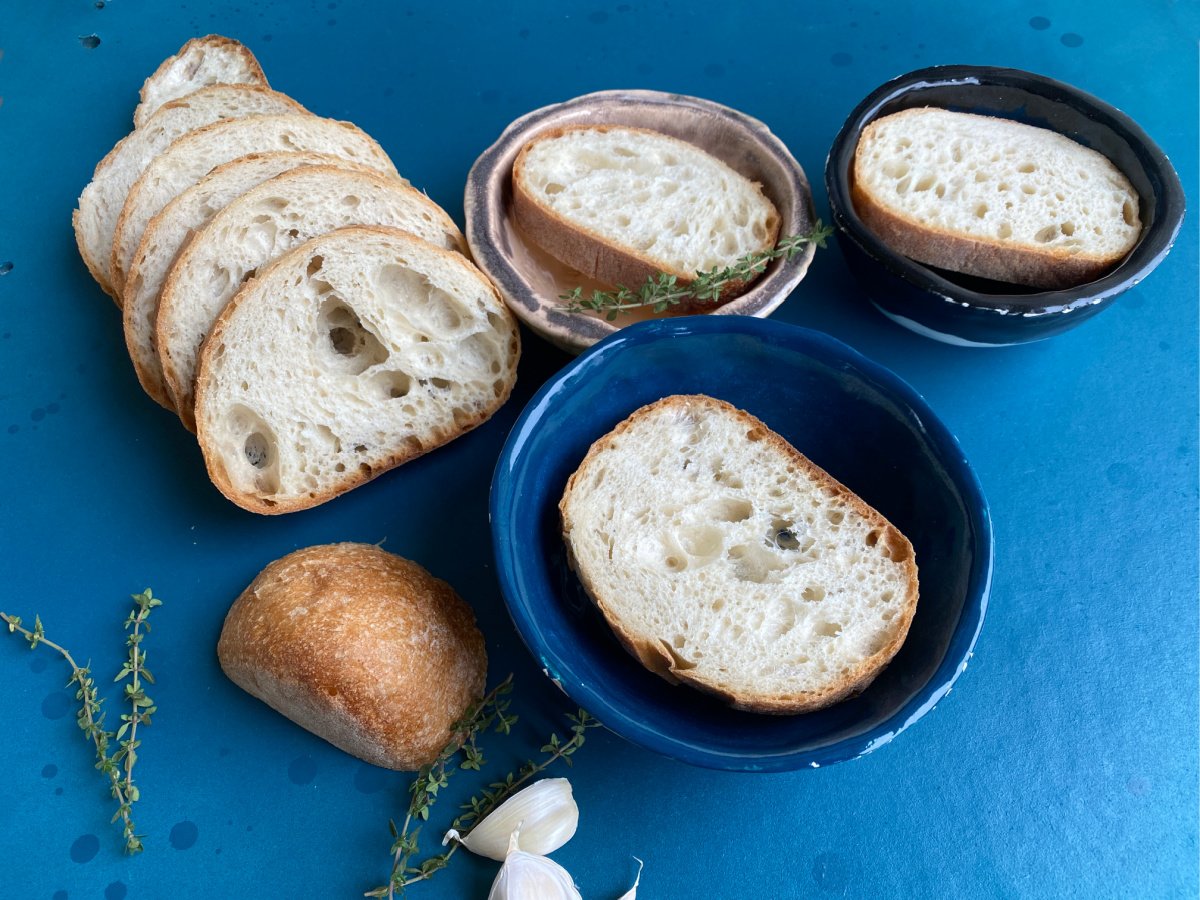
95, 220
724, 559
202, 61
621, 204
992, 197
262, 224
355, 352
197, 153
359, 646
171, 229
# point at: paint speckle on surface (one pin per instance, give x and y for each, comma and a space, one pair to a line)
6, 267
89, 41
59, 895
1163, 345
523, 33
302, 770
267, 38
841, 59
85, 847
52, 408
38, 414
831, 872
623, 7
49, 770
1039, 23
331, 22
1121, 475
56, 705
58, 792
115, 891
1071, 39
184, 834
599, 17
370, 779
13, 429
714, 70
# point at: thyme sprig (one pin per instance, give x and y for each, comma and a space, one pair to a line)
118, 765
661, 291
479, 806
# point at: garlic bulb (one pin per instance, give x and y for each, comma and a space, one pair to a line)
529, 876
545, 812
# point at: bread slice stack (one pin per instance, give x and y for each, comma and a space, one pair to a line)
724, 559
219, 181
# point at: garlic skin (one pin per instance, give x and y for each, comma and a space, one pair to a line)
530, 876
631, 894
545, 812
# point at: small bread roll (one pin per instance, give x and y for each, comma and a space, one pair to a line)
359, 646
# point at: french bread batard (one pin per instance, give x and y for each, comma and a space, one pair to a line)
262, 224
197, 153
993, 197
95, 220
171, 229
351, 354
724, 559
359, 646
202, 61
620, 204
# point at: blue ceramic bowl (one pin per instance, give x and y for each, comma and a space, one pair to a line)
962, 309
855, 419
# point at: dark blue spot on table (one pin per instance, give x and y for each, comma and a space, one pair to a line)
59, 895
884, 47
58, 792
599, 17
332, 22
267, 38
6, 335
218, 851
1137, 786
183, 835
115, 891
387, 92
85, 847
331, 6
1071, 39
623, 7
52, 408
13, 429
55, 705
370, 779
1121, 475
1163, 345
5, 268
523, 33
714, 70
224, 751
99, 4
1039, 23
841, 59
302, 770
831, 872
491, 95
38, 414
49, 770
89, 41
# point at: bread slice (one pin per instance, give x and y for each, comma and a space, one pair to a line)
171, 229
993, 197
355, 352
202, 61
194, 155
100, 203
725, 560
621, 204
361, 647
262, 224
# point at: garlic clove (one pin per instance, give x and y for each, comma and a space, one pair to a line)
545, 812
631, 894
530, 876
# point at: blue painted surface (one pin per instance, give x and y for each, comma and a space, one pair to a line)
1065, 762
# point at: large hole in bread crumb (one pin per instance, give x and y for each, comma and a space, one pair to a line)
350, 346
257, 449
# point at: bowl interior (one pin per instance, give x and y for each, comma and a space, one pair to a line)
532, 281
1033, 100
847, 415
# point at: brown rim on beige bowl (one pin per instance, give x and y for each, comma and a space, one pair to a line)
530, 280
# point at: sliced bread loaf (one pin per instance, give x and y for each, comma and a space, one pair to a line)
355, 352
202, 61
724, 559
100, 203
194, 155
620, 204
259, 226
166, 235
993, 197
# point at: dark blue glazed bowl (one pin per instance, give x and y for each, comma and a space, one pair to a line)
962, 309
854, 418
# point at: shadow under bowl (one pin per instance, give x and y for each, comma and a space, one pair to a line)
850, 416
969, 311
532, 282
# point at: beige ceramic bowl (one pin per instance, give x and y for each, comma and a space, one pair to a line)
531, 281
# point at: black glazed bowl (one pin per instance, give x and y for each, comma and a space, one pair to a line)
969, 311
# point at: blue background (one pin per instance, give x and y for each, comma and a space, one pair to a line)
1063, 764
